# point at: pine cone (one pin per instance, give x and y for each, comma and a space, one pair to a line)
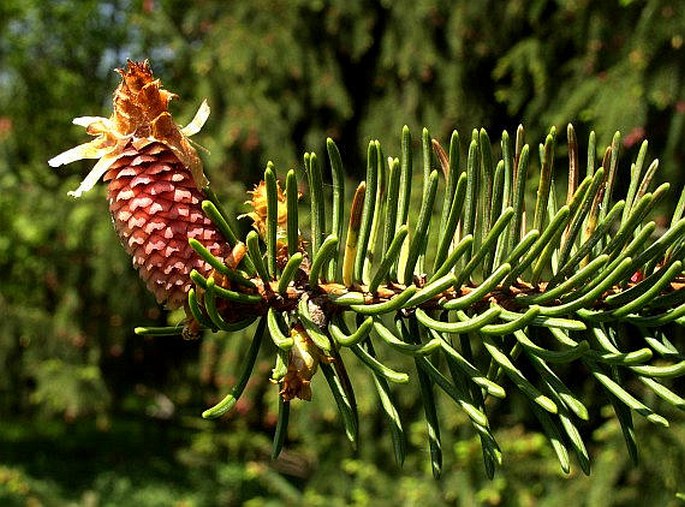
155, 183
155, 208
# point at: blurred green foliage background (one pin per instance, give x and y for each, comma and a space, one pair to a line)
92, 415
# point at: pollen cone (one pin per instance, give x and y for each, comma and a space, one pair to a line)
155, 183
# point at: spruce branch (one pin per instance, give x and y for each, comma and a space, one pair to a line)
580, 281
535, 296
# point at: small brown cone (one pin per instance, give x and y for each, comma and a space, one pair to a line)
303, 362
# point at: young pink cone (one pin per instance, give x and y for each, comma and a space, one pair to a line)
155, 181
